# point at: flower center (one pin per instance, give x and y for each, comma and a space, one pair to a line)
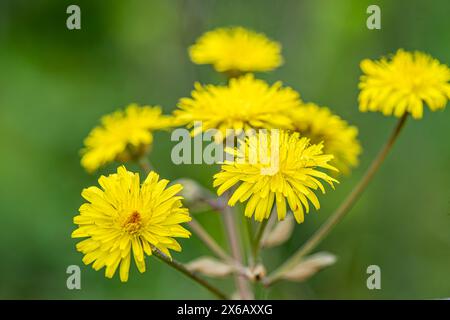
132, 223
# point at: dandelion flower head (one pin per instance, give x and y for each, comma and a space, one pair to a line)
404, 83
125, 219
271, 168
339, 138
122, 135
245, 103
236, 50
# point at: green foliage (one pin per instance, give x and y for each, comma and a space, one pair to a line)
56, 83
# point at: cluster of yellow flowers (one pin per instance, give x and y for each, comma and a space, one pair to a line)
125, 218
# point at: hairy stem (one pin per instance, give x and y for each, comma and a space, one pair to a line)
180, 267
249, 239
234, 242
203, 235
342, 210
256, 245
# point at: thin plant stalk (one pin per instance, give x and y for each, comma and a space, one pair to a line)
256, 245
264, 228
180, 267
341, 211
204, 236
249, 239
209, 241
242, 284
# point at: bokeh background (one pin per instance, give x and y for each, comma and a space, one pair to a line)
55, 84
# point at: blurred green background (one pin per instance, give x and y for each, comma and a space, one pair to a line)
55, 84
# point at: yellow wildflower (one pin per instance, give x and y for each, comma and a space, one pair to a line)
122, 135
245, 103
124, 218
339, 138
273, 168
236, 50
403, 84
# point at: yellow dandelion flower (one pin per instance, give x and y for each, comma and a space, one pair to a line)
403, 84
245, 103
236, 50
271, 168
339, 138
122, 135
124, 219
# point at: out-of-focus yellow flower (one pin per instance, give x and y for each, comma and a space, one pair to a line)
122, 135
339, 138
272, 168
124, 219
403, 84
236, 50
245, 103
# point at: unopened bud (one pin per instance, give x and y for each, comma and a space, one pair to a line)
192, 191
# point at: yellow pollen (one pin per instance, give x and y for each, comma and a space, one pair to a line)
133, 223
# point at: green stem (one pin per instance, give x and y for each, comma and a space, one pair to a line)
234, 242
256, 245
180, 267
341, 211
208, 240
249, 239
